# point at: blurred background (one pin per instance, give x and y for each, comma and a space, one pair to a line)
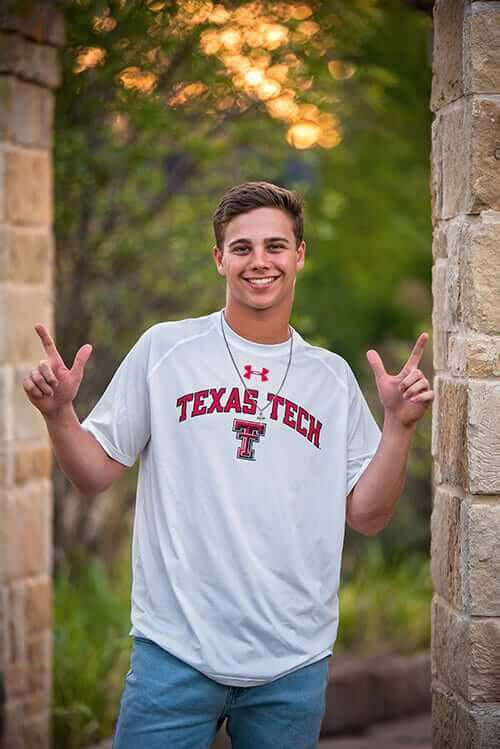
163, 106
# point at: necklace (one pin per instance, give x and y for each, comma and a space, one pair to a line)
261, 416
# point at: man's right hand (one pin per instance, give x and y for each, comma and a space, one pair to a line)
51, 385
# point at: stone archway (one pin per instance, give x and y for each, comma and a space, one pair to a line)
466, 319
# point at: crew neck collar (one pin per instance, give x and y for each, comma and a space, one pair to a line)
234, 339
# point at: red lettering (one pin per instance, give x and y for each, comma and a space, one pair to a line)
277, 400
250, 401
216, 405
302, 414
198, 407
290, 410
233, 401
182, 402
314, 430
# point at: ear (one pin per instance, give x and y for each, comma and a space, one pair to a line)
219, 260
300, 255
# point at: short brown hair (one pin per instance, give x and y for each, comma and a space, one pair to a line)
249, 195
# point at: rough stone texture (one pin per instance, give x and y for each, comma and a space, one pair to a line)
29, 61
465, 169
481, 277
474, 355
449, 442
465, 522
484, 437
28, 516
26, 113
39, 21
33, 463
28, 187
481, 43
463, 726
466, 50
447, 538
26, 255
465, 653
23, 306
447, 75
483, 525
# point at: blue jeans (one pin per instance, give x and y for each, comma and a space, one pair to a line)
168, 704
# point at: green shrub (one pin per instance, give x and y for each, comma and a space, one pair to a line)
385, 604
91, 652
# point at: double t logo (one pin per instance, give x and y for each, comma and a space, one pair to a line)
248, 432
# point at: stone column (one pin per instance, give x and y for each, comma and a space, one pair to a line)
29, 73
465, 543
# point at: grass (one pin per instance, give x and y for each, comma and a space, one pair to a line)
381, 602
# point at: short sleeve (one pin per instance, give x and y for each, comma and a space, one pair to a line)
363, 433
120, 420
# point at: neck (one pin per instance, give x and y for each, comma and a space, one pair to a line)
260, 326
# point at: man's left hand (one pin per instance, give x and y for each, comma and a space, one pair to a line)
407, 395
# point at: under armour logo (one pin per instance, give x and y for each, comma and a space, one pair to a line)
248, 432
262, 372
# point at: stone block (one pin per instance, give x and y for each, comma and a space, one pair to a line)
29, 516
16, 622
449, 431
6, 393
29, 60
481, 44
474, 355
441, 324
483, 437
23, 306
36, 733
39, 661
483, 524
450, 646
32, 463
465, 157
448, 545
465, 654
466, 50
28, 187
461, 726
447, 58
38, 605
4, 625
480, 290
26, 113
26, 255
38, 20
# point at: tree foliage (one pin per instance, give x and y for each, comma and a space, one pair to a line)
154, 121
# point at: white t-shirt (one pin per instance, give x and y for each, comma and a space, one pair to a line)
239, 524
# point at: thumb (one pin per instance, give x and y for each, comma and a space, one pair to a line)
81, 358
375, 363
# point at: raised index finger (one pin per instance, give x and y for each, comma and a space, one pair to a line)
416, 354
48, 343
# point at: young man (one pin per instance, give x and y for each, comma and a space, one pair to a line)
250, 440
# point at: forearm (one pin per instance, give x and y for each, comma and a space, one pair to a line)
79, 455
377, 492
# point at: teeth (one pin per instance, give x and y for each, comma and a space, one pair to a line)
261, 281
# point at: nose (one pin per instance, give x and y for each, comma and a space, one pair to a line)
259, 258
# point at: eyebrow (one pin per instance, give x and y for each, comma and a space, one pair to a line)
249, 241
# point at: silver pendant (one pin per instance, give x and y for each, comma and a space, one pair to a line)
261, 417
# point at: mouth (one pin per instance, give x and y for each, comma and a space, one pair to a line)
264, 282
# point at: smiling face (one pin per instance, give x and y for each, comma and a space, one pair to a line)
260, 260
